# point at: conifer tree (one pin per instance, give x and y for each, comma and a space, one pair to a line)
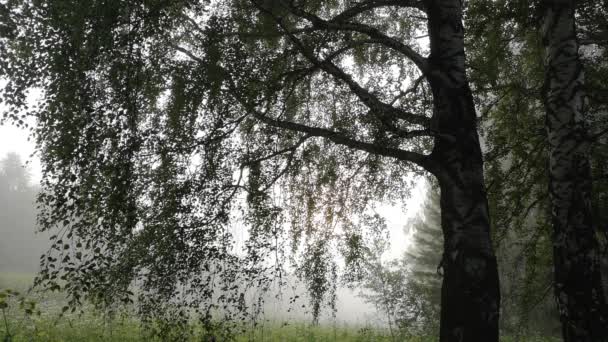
423, 259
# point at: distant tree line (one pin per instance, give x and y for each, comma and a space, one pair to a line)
20, 246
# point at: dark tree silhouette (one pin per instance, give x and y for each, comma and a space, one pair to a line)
157, 117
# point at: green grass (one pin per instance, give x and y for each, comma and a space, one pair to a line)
15, 280
51, 326
93, 327
95, 330
69, 330
299, 332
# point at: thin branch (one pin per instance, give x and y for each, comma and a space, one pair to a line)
187, 53
370, 31
227, 200
350, 45
415, 133
410, 90
385, 121
284, 170
370, 100
373, 4
536, 149
333, 55
491, 106
514, 214
279, 152
194, 24
341, 139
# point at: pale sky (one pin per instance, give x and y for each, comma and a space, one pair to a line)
351, 308
13, 139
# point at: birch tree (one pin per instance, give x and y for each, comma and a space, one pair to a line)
576, 251
521, 74
157, 117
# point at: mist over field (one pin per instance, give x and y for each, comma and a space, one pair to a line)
359, 307
21, 246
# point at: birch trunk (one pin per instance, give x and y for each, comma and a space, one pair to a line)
578, 286
470, 297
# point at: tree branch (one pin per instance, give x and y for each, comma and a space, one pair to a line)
333, 55
279, 152
284, 170
384, 110
370, 31
187, 53
410, 90
536, 150
341, 139
372, 4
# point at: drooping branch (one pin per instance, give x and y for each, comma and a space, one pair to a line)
382, 116
534, 153
285, 168
187, 52
341, 139
330, 57
372, 32
372, 4
279, 152
384, 111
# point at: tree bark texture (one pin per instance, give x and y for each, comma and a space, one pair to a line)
578, 285
470, 297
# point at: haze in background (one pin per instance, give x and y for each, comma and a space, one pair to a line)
21, 247
13, 139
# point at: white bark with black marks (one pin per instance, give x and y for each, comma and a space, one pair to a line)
578, 287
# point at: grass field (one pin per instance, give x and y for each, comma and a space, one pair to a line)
126, 331
50, 325
16, 324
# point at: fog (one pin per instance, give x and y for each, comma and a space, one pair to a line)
21, 246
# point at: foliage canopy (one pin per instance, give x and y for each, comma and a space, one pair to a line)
163, 127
